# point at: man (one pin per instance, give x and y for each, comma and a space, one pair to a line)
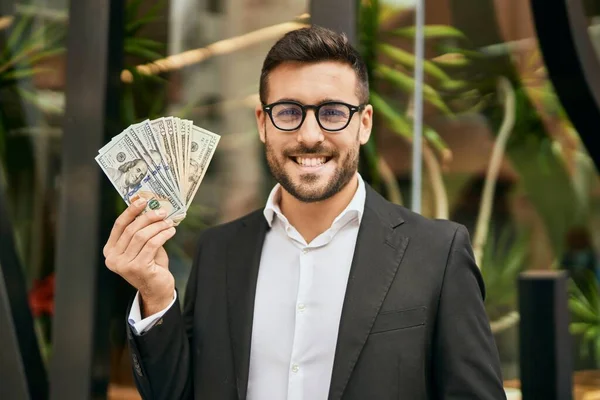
330, 291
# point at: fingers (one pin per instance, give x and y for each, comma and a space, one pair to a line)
134, 227
142, 236
123, 222
148, 252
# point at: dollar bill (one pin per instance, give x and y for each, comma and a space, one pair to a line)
150, 154
177, 133
159, 128
162, 160
204, 144
173, 147
178, 127
129, 139
132, 177
184, 149
189, 144
152, 143
198, 146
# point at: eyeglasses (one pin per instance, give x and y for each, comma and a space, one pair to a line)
331, 116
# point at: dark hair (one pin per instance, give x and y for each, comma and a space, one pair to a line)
312, 45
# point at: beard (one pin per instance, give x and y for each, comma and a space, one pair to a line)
306, 190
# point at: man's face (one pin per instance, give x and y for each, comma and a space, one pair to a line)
310, 163
136, 173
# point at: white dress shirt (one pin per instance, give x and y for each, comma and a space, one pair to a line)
299, 297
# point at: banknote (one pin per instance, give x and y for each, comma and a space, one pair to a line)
163, 160
159, 129
173, 146
199, 163
184, 147
151, 155
178, 141
132, 177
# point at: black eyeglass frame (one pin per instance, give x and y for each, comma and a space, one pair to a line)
268, 108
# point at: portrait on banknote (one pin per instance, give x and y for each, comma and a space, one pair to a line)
128, 175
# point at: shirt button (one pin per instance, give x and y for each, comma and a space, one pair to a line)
305, 251
295, 368
301, 307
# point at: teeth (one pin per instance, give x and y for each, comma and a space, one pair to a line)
310, 161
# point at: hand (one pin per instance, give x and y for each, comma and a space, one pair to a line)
135, 251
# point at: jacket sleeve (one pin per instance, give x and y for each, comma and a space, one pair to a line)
161, 357
466, 364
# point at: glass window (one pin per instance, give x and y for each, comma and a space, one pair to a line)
32, 83
501, 155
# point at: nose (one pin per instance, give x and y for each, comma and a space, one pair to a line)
310, 133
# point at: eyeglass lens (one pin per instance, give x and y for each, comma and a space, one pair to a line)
331, 116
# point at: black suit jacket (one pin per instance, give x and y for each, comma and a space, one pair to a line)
413, 323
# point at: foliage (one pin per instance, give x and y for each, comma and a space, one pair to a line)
460, 79
25, 47
391, 67
142, 98
584, 303
504, 258
537, 155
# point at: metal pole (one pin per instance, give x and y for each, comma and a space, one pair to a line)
546, 365
337, 15
85, 289
418, 108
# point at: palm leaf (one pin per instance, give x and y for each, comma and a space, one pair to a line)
12, 76
430, 32
135, 50
407, 84
18, 33
401, 125
455, 86
592, 333
469, 54
133, 27
46, 54
396, 121
435, 140
148, 43
578, 327
132, 8
407, 59
582, 311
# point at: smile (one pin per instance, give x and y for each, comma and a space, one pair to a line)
311, 161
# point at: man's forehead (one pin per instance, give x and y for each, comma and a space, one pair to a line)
322, 80
333, 69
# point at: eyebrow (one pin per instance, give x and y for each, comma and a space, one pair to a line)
324, 100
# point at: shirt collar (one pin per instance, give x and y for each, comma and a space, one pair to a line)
356, 205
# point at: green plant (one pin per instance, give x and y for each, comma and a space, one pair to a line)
391, 69
143, 96
504, 257
584, 303
25, 47
542, 144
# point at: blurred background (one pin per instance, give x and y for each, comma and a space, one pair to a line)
511, 105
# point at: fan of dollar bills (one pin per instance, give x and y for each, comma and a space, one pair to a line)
162, 160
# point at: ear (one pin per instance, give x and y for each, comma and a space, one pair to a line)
260, 115
366, 124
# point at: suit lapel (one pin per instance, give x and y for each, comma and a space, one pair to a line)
379, 250
244, 253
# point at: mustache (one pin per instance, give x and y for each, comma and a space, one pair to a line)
302, 150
